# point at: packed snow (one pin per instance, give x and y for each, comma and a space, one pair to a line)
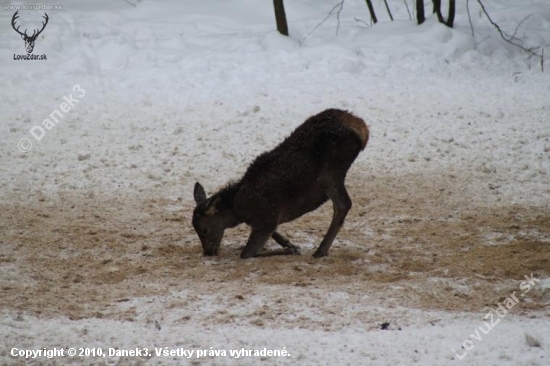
96, 245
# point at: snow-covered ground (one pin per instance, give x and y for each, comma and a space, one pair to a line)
451, 196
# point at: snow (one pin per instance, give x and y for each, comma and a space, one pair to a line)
425, 344
182, 91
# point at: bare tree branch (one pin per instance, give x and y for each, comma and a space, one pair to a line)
470, 19
388, 9
408, 10
362, 21
134, 3
506, 37
480, 42
337, 9
338, 16
519, 25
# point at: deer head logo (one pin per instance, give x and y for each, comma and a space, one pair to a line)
29, 40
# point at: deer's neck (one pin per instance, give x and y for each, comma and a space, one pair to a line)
227, 195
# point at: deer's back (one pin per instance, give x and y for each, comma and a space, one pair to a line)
285, 178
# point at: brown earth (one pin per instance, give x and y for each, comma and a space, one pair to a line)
412, 239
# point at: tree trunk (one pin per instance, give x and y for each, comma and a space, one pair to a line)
388, 9
420, 17
437, 10
280, 17
452, 10
371, 11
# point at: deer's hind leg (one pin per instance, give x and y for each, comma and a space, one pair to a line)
332, 182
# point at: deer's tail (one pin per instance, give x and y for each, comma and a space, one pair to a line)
358, 126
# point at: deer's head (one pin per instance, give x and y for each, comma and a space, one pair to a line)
29, 40
208, 221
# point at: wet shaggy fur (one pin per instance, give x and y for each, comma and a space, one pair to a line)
294, 178
285, 173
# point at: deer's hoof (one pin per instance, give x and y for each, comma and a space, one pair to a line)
319, 254
294, 250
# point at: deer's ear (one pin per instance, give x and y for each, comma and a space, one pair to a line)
199, 194
23, 36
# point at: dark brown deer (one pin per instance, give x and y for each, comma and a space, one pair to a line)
299, 175
29, 40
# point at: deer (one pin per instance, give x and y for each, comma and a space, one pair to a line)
300, 174
29, 40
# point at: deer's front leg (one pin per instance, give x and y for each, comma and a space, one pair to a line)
285, 243
256, 241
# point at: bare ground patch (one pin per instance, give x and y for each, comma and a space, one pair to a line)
409, 241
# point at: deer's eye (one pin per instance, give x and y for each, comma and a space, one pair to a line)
204, 231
